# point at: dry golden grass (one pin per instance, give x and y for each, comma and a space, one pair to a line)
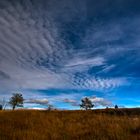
67, 125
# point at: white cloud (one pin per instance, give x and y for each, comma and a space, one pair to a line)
80, 64
107, 68
98, 101
95, 61
98, 83
71, 101
38, 101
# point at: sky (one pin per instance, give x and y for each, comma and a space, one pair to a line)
58, 52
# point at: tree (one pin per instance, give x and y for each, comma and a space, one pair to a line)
116, 107
0, 107
3, 104
86, 103
16, 100
50, 107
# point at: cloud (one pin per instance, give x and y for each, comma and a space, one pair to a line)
38, 101
107, 68
71, 102
3, 75
98, 83
64, 97
80, 64
97, 61
99, 101
32, 49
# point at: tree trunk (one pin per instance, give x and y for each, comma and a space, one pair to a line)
13, 107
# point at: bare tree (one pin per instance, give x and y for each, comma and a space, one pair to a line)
16, 100
3, 104
86, 103
50, 107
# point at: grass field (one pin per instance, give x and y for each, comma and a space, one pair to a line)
109, 124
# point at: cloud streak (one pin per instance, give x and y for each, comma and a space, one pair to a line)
98, 101
71, 102
38, 101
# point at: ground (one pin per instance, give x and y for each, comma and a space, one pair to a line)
106, 124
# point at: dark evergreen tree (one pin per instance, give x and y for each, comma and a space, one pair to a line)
116, 107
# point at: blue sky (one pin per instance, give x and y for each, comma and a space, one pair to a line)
57, 52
